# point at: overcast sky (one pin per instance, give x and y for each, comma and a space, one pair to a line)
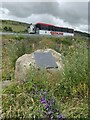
68, 14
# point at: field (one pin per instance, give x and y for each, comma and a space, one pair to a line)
60, 95
14, 26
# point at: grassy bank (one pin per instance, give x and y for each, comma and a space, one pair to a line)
13, 26
63, 94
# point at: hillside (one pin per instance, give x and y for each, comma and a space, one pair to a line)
82, 33
13, 26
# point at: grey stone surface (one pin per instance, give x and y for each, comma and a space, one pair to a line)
45, 60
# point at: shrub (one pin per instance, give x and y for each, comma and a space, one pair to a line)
7, 29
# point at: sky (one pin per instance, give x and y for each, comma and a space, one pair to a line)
63, 13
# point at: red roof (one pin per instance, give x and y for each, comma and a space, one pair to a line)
49, 25
44, 24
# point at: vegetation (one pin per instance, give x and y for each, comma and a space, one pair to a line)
82, 33
60, 95
13, 26
7, 29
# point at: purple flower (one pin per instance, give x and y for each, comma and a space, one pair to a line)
60, 116
45, 93
50, 112
47, 106
37, 93
43, 101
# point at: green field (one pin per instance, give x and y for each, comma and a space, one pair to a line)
46, 95
14, 25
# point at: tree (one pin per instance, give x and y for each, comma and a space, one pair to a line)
5, 28
10, 29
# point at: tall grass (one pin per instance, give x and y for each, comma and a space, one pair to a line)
14, 47
69, 87
75, 75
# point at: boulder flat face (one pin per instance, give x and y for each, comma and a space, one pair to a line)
45, 60
48, 59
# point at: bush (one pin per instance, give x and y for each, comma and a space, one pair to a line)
7, 29
10, 29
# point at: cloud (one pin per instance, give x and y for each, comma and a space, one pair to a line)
29, 8
45, 0
73, 14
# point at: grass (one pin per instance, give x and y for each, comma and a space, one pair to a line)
69, 87
18, 28
15, 25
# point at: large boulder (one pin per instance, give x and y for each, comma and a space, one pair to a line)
26, 61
